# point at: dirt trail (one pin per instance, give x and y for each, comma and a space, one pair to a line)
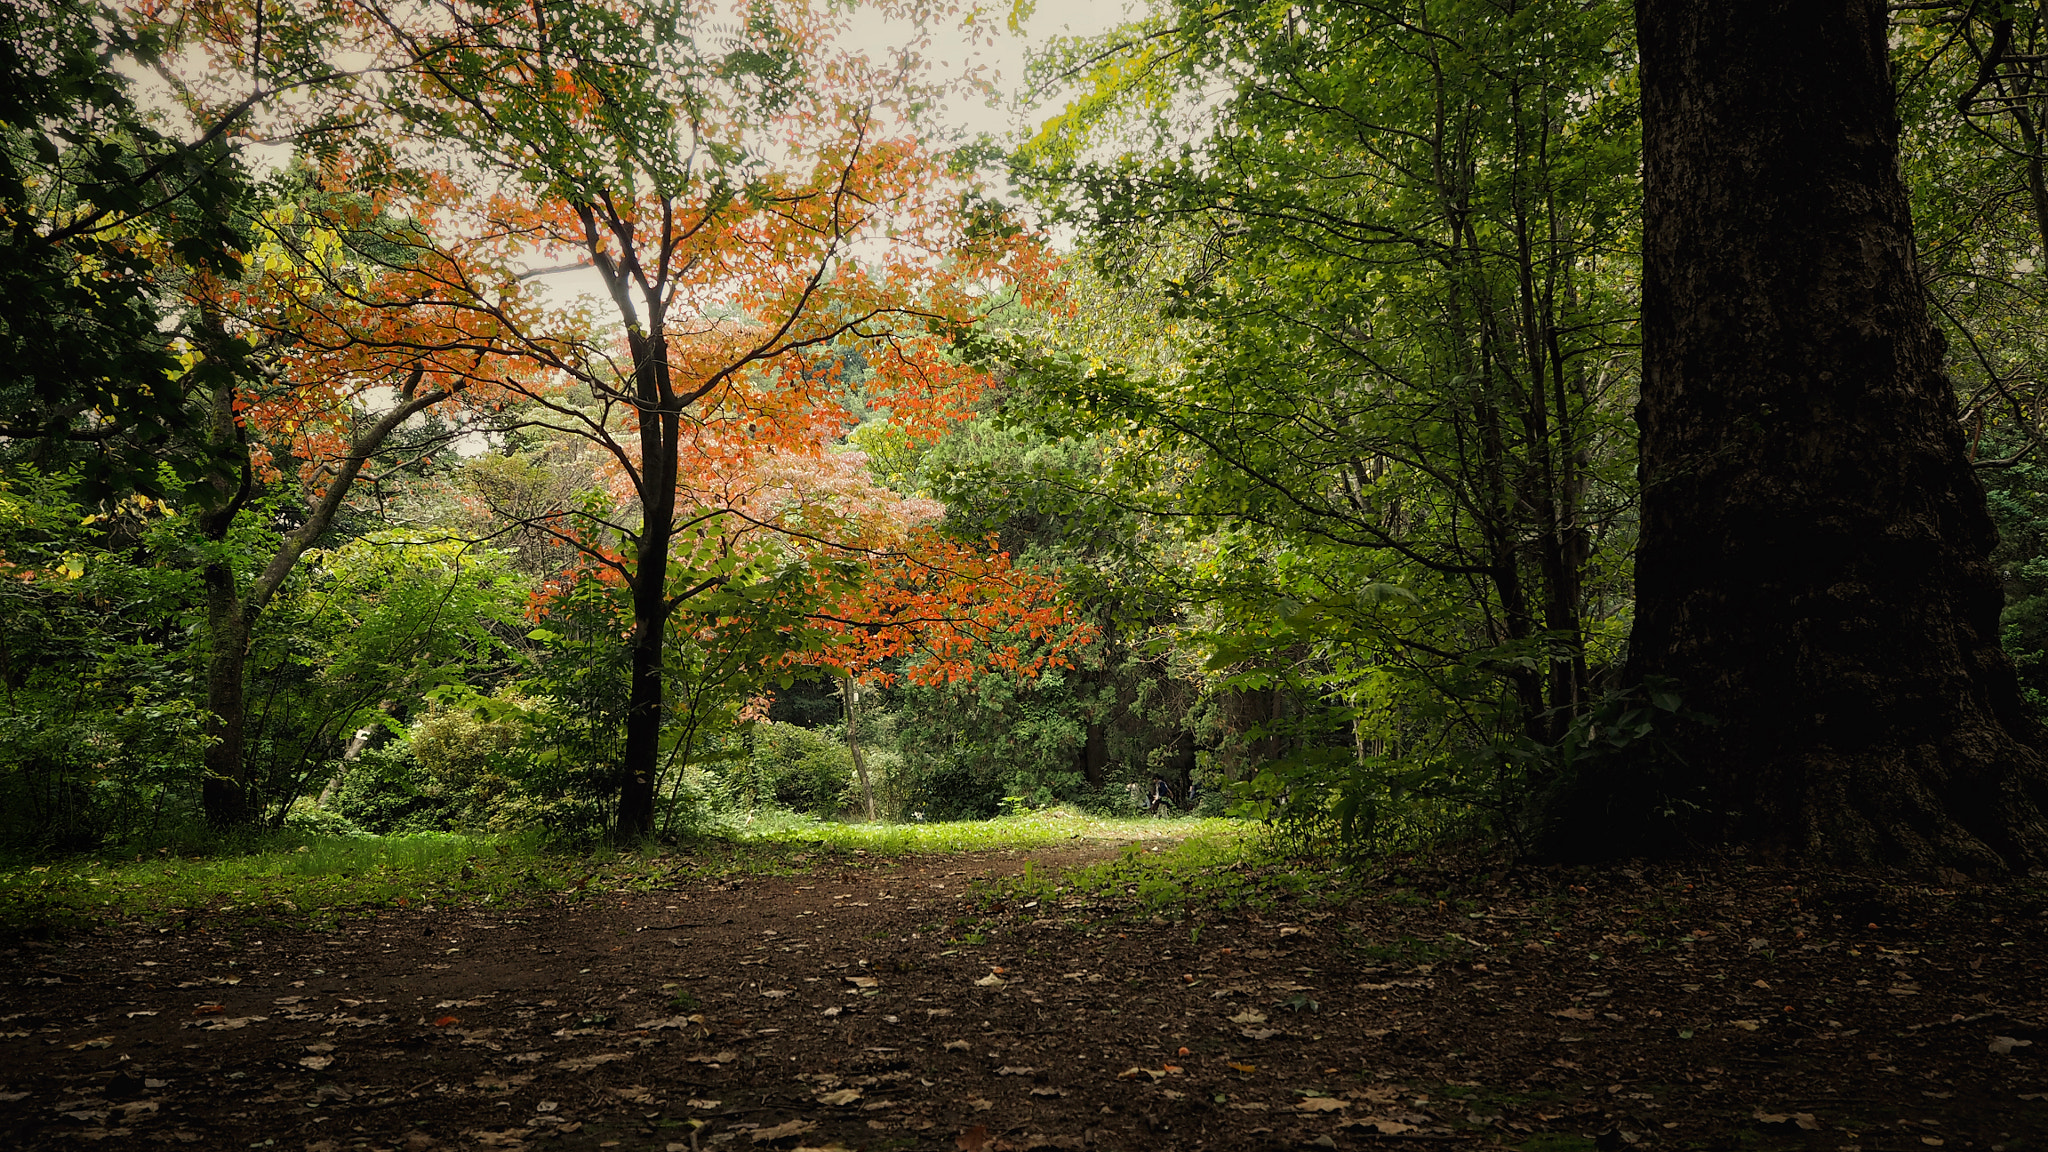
851, 1008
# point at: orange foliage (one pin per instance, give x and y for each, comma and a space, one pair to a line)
751, 232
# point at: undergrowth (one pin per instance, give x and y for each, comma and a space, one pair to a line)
293, 876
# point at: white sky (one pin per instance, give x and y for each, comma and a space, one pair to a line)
956, 54
1006, 58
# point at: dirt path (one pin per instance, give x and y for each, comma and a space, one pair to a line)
854, 1008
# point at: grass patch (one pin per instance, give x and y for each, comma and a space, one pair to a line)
1221, 866
293, 877
1047, 828
288, 877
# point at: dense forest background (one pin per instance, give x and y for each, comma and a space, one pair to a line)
1263, 421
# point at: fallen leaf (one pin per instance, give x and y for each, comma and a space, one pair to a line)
991, 981
2003, 1045
1134, 1073
1243, 1067
980, 1105
1322, 1104
840, 1098
1746, 1025
957, 1045
95, 1042
226, 1023
1048, 1091
704, 1105
1384, 1127
1574, 1013
1249, 1017
725, 1057
316, 1063
973, 1140
1258, 1033
585, 1063
1803, 1120
669, 1022
782, 1131
863, 981
209, 1009
445, 1021
1007, 1070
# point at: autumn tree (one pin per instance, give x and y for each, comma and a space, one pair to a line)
752, 199
1813, 572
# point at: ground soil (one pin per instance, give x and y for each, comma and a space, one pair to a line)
912, 1003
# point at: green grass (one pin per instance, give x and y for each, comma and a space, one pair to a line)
295, 877
1043, 829
289, 876
1221, 865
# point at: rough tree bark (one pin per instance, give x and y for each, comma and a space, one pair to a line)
1813, 570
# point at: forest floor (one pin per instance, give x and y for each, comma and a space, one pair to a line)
1090, 996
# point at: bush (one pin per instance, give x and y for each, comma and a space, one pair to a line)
797, 768
385, 793
689, 805
307, 817
954, 790
470, 759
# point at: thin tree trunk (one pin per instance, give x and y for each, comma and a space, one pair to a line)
228, 789
851, 689
659, 420
1814, 568
225, 790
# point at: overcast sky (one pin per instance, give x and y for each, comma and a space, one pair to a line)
1006, 57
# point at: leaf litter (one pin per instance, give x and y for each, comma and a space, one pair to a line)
1712, 1004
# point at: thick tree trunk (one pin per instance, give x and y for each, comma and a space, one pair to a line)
1813, 571
643, 730
1094, 755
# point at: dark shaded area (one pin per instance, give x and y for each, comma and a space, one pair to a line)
912, 1005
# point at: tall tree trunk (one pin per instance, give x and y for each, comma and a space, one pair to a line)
225, 790
851, 688
1813, 572
659, 421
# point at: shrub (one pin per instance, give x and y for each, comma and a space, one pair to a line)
384, 792
797, 768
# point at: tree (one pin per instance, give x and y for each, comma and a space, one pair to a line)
347, 354
1397, 445
1813, 571
754, 200
104, 211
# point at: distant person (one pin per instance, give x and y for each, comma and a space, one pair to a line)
1158, 794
